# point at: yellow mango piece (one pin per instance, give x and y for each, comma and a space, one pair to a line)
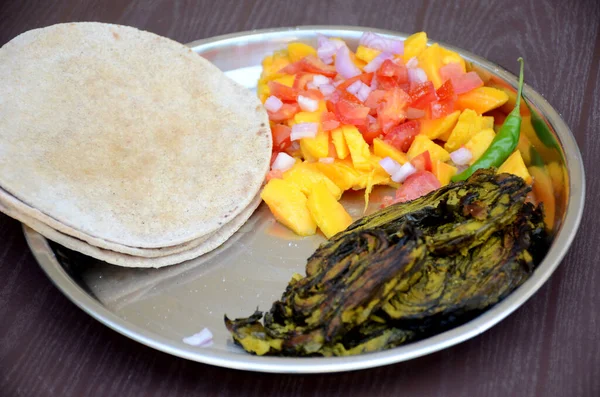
430, 60
263, 91
544, 192
286, 79
327, 212
487, 122
384, 149
481, 100
422, 144
524, 146
359, 149
449, 56
515, 165
305, 175
479, 143
434, 129
288, 205
370, 178
366, 54
273, 64
443, 171
308, 117
414, 45
339, 142
341, 173
359, 63
317, 147
297, 51
468, 124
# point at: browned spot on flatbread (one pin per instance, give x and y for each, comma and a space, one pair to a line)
116, 35
262, 124
259, 108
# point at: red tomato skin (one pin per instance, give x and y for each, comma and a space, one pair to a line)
466, 82
422, 95
451, 70
403, 135
274, 174
281, 137
441, 108
287, 111
283, 92
418, 184
392, 110
351, 113
446, 91
422, 162
302, 79
313, 64
366, 78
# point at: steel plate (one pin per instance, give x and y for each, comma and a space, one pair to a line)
160, 307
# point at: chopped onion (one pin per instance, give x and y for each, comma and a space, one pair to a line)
283, 162
319, 79
273, 104
303, 130
203, 338
412, 63
414, 113
390, 165
417, 75
381, 43
344, 65
371, 119
294, 147
461, 156
376, 62
307, 104
363, 92
326, 160
404, 172
326, 89
327, 48
354, 87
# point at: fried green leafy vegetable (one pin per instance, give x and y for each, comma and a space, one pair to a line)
405, 272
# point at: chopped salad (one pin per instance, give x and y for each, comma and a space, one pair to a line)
393, 112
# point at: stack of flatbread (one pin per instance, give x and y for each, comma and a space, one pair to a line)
126, 146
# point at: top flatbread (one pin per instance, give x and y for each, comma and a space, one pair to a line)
127, 136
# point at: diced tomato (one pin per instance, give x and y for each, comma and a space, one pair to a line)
312, 94
374, 98
439, 109
390, 75
418, 184
313, 64
274, 174
349, 112
366, 78
422, 95
329, 121
392, 110
446, 91
422, 162
466, 82
371, 131
302, 79
345, 95
281, 137
451, 70
403, 135
287, 111
282, 92
331, 105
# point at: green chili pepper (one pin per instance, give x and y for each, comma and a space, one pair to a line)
504, 143
541, 129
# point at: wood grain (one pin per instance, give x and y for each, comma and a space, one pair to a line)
549, 347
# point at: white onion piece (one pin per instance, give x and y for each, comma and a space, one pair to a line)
307, 104
202, 338
404, 172
344, 65
273, 104
295, 146
412, 63
304, 130
283, 162
377, 42
417, 75
461, 156
319, 79
363, 92
327, 89
390, 165
354, 87
413, 113
371, 119
326, 160
327, 48
376, 62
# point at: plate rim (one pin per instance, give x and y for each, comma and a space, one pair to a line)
560, 246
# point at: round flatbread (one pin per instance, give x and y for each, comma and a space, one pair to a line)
127, 136
215, 240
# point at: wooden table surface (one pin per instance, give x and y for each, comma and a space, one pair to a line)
549, 347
